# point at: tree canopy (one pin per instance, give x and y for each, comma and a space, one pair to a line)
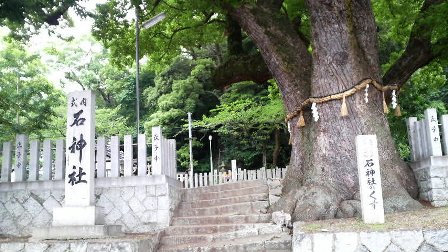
311, 49
28, 102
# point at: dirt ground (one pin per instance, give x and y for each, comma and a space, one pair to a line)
427, 218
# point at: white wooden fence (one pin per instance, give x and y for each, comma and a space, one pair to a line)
33, 160
424, 135
234, 175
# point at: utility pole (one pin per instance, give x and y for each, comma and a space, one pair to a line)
190, 138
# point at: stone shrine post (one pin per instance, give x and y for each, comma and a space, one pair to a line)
79, 182
370, 190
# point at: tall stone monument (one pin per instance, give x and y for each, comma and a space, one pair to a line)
79, 208
79, 217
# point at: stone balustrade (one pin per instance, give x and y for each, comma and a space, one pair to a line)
429, 156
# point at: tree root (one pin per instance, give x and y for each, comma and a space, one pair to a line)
319, 202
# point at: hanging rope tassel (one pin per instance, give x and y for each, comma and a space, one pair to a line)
385, 108
344, 111
301, 121
398, 110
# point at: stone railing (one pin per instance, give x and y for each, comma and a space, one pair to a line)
429, 156
137, 193
234, 175
27, 160
139, 204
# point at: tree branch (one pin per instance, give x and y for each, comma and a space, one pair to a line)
241, 68
419, 51
284, 53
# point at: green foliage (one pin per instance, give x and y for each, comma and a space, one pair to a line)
114, 87
183, 157
191, 24
178, 90
395, 20
428, 88
245, 120
28, 102
25, 18
119, 127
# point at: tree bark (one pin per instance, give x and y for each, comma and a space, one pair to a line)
322, 175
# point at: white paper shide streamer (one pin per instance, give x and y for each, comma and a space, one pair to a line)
314, 112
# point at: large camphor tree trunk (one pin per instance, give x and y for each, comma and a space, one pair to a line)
322, 179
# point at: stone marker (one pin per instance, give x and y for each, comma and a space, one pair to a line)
79, 182
79, 217
21, 157
156, 163
432, 132
369, 179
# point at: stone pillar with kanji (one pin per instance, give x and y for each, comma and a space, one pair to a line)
79, 208
370, 190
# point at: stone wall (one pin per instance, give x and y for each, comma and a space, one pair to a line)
275, 190
432, 178
139, 204
129, 243
399, 241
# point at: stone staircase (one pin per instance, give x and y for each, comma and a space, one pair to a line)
227, 217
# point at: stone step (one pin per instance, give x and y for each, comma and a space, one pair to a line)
261, 243
228, 219
193, 196
175, 240
234, 209
227, 186
211, 229
224, 201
